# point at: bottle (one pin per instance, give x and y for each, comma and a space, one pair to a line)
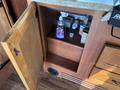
74, 28
84, 37
75, 24
60, 28
81, 28
82, 34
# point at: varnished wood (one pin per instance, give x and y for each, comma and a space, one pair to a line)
4, 24
66, 63
23, 46
5, 72
28, 1
116, 32
7, 12
110, 59
99, 35
46, 21
71, 75
14, 8
46, 82
64, 49
4, 29
105, 79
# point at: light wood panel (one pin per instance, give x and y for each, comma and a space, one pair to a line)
63, 62
4, 29
23, 46
110, 59
105, 79
4, 24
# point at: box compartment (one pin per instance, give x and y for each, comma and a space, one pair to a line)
65, 52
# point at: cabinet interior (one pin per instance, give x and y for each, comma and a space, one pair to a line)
66, 52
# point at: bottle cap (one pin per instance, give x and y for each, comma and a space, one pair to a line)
61, 18
64, 14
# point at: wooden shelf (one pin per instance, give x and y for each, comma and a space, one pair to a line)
75, 40
64, 49
66, 63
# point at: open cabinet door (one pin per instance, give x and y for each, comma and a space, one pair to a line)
24, 48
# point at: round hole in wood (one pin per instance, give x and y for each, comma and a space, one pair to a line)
53, 71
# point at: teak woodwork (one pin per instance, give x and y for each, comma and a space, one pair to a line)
5, 72
14, 9
4, 29
105, 79
24, 49
110, 59
30, 49
64, 49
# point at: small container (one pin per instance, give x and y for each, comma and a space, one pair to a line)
75, 24
84, 38
60, 28
64, 14
68, 21
81, 28
71, 35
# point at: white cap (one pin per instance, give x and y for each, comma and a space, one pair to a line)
64, 14
61, 18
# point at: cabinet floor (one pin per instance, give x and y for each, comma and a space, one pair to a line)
46, 82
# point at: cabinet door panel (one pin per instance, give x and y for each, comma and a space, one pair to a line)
23, 46
4, 29
110, 59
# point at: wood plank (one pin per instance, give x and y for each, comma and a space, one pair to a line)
105, 79
4, 24
110, 59
54, 83
66, 63
6, 8
4, 29
47, 82
11, 85
61, 71
65, 49
23, 46
14, 8
5, 72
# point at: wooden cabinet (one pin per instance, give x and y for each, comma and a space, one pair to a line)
27, 42
32, 46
